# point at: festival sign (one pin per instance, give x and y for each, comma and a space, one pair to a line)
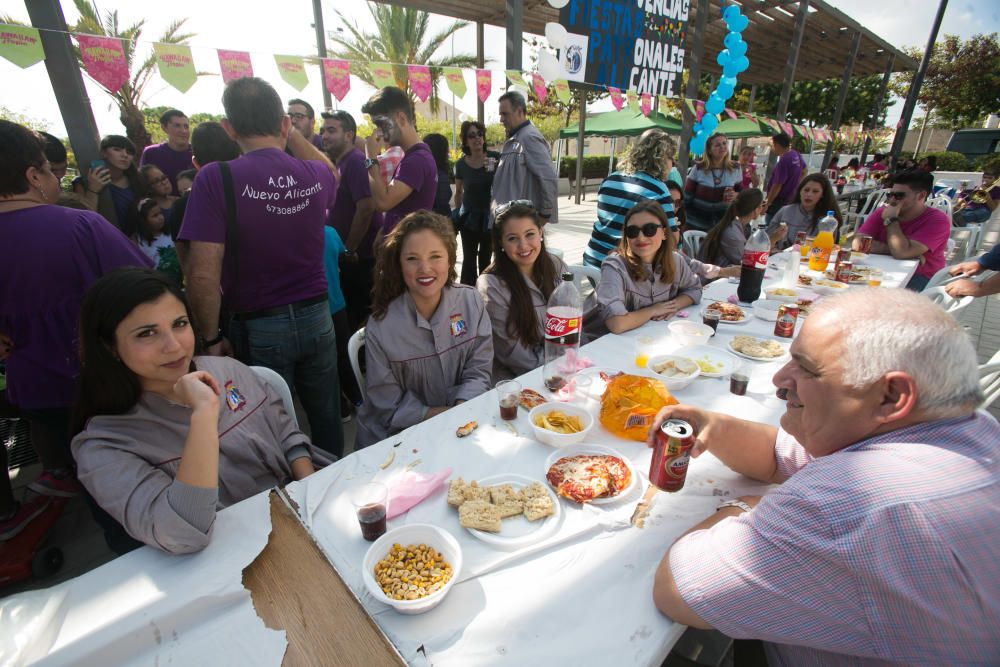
21, 45
484, 84
561, 87
646, 104
337, 77
455, 78
176, 65
104, 60
234, 65
382, 76
538, 86
628, 44
420, 81
293, 71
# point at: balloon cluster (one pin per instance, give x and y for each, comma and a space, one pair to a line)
733, 60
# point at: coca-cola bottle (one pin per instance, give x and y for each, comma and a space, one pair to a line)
563, 325
755, 254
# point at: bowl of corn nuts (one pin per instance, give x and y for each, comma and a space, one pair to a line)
412, 568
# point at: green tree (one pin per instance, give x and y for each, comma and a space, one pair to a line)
400, 37
152, 121
813, 103
962, 83
23, 119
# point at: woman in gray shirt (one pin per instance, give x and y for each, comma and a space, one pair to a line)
724, 244
165, 438
813, 199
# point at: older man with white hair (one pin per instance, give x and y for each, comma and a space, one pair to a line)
881, 546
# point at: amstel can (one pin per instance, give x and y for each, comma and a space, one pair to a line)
843, 274
784, 325
671, 454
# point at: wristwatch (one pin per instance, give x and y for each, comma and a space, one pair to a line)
370, 162
205, 344
890, 220
735, 502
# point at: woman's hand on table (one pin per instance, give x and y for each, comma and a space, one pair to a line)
730, 271
199, 391
664, 310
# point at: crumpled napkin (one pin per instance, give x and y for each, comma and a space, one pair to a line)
411, 488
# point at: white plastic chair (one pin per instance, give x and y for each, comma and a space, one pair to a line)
354, 346
951, 305
989, 380
277, 383
583, 271
853, 220
692, 242
937, 278
941, 203
960, 244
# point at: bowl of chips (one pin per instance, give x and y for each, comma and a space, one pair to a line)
560, 424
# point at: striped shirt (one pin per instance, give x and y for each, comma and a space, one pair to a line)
886, 552
617, 195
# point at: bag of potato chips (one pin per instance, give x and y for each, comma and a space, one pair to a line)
630, 403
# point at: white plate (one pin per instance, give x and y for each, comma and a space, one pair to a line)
598, 450
746, 315
516, 531
715, 356
782, 357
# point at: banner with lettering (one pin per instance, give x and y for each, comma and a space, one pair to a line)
626, 44
455, 78
561, 87
633, 101
337, 77
382, 76
515, 78
234, 65
293, 71
538, 86
616, 98
176, 65
104, 60
484, 84
21, 45
420, 81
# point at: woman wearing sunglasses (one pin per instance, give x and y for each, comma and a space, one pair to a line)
724, 243
474, 173
645, 279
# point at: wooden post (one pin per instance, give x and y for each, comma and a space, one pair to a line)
514, 11
793, 58
321, 49
845, 84
694, 72
581, 97
873, 121
611, 158
480, 63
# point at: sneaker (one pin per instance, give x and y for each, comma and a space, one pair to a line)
49, 484
24, 515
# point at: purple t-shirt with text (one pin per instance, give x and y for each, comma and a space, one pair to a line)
281, 205
169, 161
788, 172
419, 171
354, 187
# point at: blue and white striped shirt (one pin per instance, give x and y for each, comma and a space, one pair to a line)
617, 195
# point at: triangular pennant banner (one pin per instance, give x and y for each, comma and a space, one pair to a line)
484, 84
234, 65
538, 86
21, 45
293, 71
732, 114
515, 78
633, 101
646, 105
176, 65
616, 98
420, 81
455, 78
786, 127
382, 76
562, 90
104, 60
699, 110
337, 77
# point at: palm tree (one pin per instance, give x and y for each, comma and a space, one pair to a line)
400, 37
129, 96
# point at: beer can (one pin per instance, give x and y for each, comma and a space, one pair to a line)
800, 238
671, 454
866, 243
843, 274
842, 255
784, 326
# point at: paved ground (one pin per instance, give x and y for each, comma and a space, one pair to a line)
83, 544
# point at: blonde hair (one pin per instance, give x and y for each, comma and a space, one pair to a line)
706, 162
649, 154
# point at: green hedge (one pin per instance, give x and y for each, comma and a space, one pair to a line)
591, 163
988, 161
947, 160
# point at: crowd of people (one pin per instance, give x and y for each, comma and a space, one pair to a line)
130, 322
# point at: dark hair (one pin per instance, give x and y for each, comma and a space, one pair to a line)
20, 149
142, 228
388, 277
679, 211
144, 171
188, 174
210, 143
664, 255
915, 179
463, 134
309, 110
253, 107
438, 144
516, 100
55, 151
522, 321
346, 120
827, 201
169, 114
931, 161
105, 385
745, 203
854, 163
389, 100
782, 140
118, 141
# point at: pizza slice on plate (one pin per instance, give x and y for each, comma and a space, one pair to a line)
530, 399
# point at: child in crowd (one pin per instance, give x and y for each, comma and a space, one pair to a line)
164, 437
644, 279
428, 343
724, 243
516, 288
159, 187
154, 241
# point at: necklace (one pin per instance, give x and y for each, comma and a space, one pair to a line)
717, 176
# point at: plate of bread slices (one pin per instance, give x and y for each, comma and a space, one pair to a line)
508, 511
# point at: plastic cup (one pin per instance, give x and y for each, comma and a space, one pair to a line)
643, 350
711, 318
804, 248
738, 383
370, 503
875, 278
508, 394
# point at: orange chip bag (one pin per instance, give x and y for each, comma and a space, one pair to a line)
629, 404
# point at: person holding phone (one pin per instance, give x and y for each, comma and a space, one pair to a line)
114, 183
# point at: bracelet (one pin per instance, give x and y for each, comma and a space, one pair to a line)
215, 341
735, 502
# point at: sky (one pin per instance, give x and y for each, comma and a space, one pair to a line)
255, 26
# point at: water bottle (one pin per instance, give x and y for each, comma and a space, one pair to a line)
563, 325
754, 264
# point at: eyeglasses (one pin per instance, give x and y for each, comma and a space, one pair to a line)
896, 195
297, 116
503, 208
648, 230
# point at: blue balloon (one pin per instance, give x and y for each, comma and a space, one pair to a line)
742, 63
697, 144
724, 91
723, 57
728, 80
732, 39
730, 69
709, 122
738, 24
730, 12
714, 105
696, 128
738, 49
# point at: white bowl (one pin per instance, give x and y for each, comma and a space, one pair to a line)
766, 309
783, 298
689, 334
676, 382
554, 439
416, 533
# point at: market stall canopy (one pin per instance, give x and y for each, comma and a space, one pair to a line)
624, 123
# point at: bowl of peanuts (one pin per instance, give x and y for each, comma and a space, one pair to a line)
412, 568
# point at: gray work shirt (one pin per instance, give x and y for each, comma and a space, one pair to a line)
129, 462
731, 245
413, 364
797, 220
526, 171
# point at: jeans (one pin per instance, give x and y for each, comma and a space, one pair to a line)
301, 346
975, 216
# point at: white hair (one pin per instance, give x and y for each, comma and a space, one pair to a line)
887, 330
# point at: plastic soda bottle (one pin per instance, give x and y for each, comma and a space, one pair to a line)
822, 245
754, 264
563, 325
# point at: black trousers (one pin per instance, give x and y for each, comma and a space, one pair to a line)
477, 253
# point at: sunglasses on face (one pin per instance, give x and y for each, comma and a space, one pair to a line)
503, 208
896, 195
648, 230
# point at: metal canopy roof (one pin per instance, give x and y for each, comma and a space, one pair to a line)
826, 42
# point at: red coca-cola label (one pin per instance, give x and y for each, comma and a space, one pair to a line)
755, 259
561, 327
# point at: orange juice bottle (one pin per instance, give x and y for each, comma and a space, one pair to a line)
822, 245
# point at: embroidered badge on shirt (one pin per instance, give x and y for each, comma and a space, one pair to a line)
458, 325
234, 399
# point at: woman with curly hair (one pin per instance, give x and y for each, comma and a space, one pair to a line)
642, 175
428, 343
711, 185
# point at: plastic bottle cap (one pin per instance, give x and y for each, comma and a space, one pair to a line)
829, 213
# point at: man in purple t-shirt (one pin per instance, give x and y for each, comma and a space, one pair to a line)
304, 120
786, 175
174, 155
414, 185
270, 266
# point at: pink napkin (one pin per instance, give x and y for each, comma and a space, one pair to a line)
411, 488
683, 314
732, 298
